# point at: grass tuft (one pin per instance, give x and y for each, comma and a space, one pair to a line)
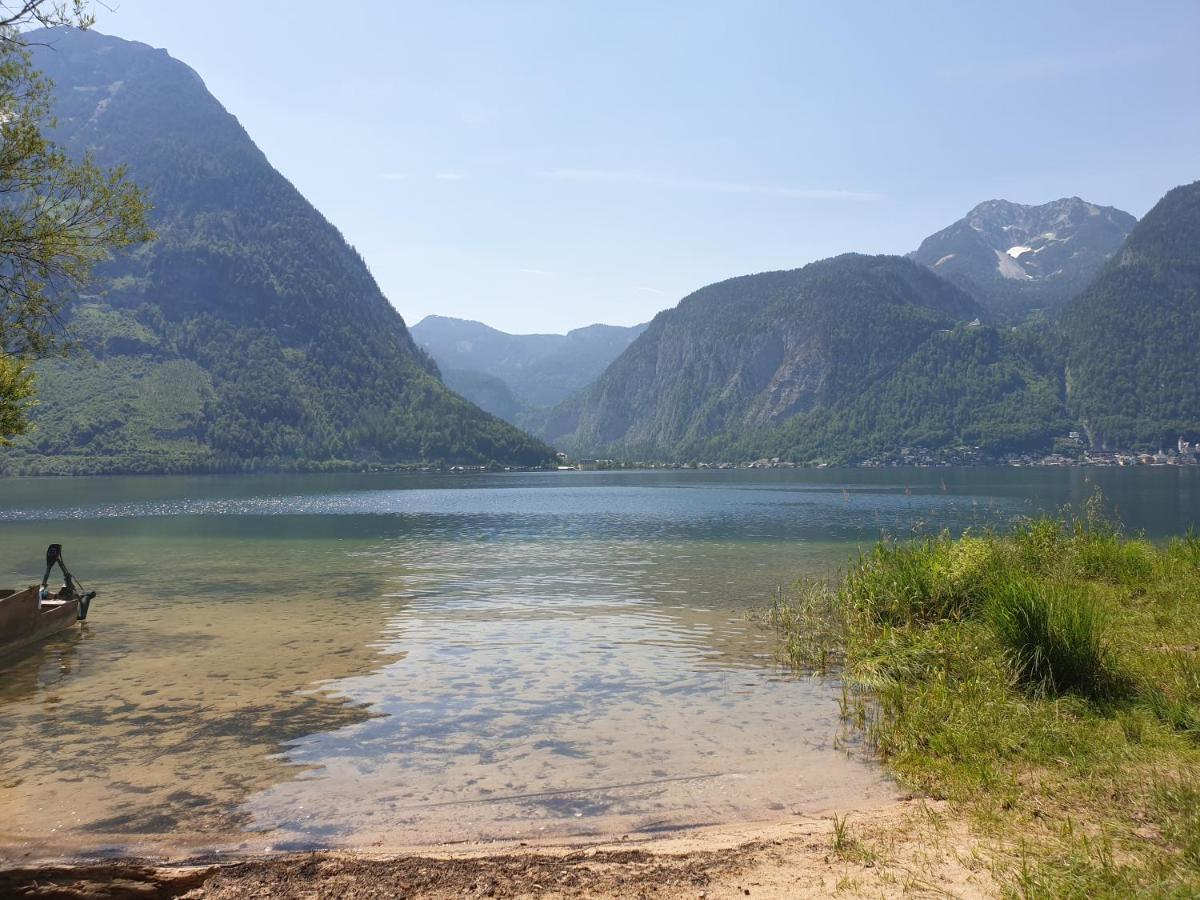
1055, 638
842, 842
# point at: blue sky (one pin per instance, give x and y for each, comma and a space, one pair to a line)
544, 165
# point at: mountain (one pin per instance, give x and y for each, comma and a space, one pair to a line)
839, 360
485, 391
539, 369
1133, 366
1015, 258
250, 334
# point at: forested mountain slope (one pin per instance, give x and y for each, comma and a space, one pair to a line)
485, 391
1014, 258
1134, 333
250, 334
835, 361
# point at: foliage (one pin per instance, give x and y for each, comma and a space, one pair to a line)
46, 13
1046, 682
16, 395
59, 217
980, 386
1054, 637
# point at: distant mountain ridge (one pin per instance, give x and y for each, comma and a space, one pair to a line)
250, 334
538, 370
1014, 258
843, 358
860, 357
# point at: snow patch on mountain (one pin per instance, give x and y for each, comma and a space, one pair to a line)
1010, 268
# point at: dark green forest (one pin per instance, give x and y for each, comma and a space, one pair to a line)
974, 386
1134, 333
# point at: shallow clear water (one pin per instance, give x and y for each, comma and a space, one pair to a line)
295, 661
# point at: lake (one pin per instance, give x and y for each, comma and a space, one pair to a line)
287, 662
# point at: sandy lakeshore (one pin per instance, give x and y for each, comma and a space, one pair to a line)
908, 848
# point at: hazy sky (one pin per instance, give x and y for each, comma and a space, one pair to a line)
544, 165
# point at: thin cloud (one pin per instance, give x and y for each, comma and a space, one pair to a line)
647, 289
449, 176
394, 176
604, 176
542, 272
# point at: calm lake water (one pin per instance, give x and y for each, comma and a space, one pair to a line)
399, 660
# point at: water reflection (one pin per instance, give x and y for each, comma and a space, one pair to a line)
40, 667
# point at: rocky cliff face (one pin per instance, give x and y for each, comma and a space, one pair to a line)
1015, 258
755, 351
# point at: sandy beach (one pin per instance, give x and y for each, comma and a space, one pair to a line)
908, 848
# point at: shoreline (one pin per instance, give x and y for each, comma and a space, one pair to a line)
891, 850
183, 848
1115, 459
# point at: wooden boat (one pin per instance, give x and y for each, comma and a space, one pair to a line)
35, 613
24, 619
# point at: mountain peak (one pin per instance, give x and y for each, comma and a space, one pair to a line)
79, 44
1014, 257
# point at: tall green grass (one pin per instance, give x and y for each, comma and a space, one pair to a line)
1046, 679
901, 584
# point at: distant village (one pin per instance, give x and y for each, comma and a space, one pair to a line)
1071, 450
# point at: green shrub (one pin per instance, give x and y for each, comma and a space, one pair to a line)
1048, 679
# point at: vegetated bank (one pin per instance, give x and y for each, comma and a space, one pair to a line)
1045, 681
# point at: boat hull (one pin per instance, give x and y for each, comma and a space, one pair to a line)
23, 621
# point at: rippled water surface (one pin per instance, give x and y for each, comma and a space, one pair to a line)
398, 660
